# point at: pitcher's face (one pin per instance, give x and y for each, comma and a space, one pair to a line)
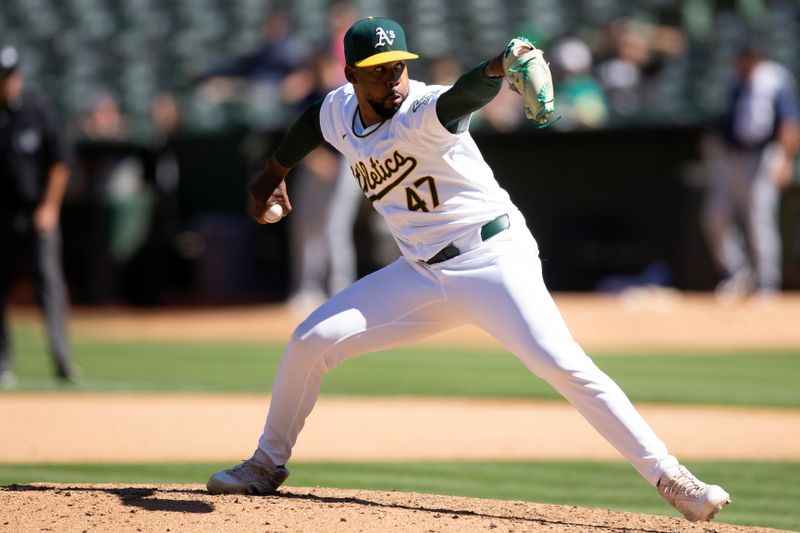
383, 87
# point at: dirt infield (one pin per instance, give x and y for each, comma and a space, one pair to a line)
148, 428
189, 508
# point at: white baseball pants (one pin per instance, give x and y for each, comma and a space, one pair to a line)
497, 286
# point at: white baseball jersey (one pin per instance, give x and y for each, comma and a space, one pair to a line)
430, 185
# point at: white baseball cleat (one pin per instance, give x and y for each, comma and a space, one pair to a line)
255, 476
694, 499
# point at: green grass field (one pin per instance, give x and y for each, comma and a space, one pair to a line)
765, 494
741, 378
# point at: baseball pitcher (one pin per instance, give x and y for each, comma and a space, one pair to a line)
467, 254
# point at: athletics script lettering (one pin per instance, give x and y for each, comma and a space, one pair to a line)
376, 178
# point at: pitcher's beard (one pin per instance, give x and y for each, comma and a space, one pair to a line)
382, 111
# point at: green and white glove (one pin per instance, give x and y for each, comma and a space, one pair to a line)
529, 75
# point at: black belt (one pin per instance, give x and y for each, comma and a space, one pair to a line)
488, 231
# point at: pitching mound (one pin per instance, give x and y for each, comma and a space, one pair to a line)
57, 507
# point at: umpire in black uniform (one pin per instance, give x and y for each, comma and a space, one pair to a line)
33, 177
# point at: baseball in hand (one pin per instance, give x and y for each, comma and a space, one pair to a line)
273, 214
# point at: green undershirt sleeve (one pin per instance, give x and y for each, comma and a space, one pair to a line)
304, 135
472, 91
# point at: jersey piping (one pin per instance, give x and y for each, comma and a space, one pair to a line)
357, 113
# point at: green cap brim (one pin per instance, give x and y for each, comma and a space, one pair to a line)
386, 57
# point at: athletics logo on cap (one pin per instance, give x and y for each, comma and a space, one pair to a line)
383, 38
374, 41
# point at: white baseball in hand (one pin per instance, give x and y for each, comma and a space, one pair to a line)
273, 214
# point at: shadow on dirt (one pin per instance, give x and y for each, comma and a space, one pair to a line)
140, 497
542, 521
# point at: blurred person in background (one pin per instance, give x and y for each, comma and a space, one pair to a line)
146, 275
751, 160
278, 55
165, 117
264, 70
132, 203
581, 99
635, 56
110, 171
103, 119
33, 178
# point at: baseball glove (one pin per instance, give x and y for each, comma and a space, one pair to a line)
528, 74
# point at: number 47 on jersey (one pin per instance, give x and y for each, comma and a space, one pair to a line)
424, 187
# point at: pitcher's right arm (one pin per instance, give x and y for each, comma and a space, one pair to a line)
269, 187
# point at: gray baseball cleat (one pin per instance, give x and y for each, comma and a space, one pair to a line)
255, 476
694, 499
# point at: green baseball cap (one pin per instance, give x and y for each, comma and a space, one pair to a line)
374, 41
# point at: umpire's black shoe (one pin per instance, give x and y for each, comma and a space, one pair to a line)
70, 375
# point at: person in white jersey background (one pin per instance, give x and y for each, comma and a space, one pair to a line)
467, 257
